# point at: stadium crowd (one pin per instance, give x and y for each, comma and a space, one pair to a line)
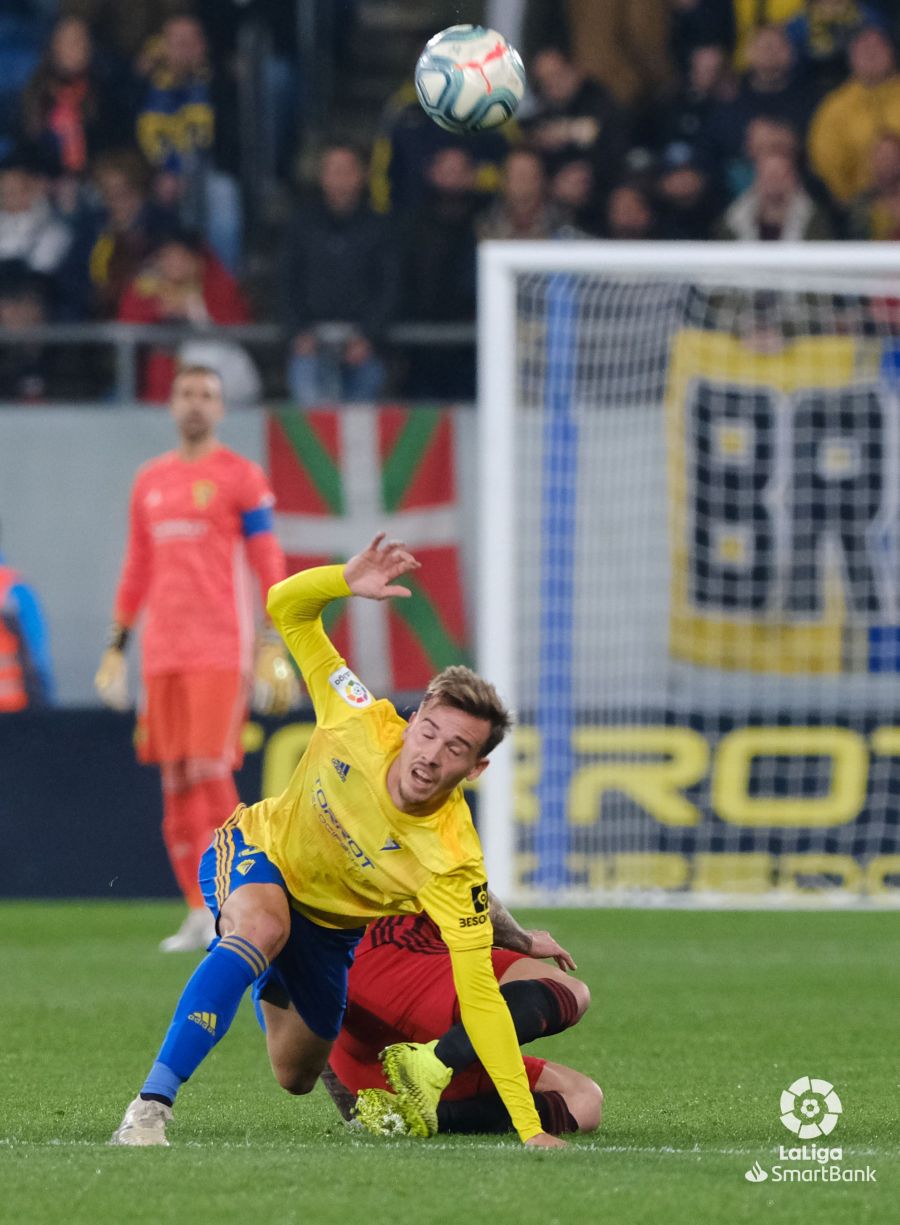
120, 192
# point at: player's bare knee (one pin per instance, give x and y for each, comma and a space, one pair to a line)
266, 931
296, 1081
582, 993
585, 1104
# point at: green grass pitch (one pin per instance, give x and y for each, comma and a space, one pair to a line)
699, 1021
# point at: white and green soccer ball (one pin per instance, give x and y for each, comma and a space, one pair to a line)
469, 79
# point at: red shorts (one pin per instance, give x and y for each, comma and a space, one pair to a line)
397, 995
193, 715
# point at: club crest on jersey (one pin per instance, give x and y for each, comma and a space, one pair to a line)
348, 686
203, 493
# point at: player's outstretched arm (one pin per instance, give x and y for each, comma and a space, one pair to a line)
508, 934
295, 606
373, 572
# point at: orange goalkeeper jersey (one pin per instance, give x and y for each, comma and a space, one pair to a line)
348, 855
196, 531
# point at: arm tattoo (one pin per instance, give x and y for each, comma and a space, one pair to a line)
507, 932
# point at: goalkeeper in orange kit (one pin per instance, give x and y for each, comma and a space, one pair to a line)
201, 519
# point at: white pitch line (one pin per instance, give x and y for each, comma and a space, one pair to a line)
664, 1150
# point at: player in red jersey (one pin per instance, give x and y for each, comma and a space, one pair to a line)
401, 990
201, 519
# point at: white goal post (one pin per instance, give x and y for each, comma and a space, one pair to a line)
689, 571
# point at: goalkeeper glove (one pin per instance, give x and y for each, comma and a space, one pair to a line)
111, 681
275, 685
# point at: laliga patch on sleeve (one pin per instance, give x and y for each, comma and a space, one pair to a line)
348, 686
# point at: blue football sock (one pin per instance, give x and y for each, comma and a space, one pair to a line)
206, 1009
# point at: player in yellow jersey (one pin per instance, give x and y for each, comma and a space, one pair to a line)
373, 822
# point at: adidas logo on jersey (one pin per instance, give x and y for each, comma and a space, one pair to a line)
391, 845
206, 1020
342, 768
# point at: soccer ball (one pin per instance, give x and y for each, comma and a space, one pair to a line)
469, 79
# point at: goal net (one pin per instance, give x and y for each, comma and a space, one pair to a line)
689, 580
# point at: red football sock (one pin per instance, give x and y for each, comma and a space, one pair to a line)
212, 803
178, 835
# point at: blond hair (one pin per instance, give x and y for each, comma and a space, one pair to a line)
465, 690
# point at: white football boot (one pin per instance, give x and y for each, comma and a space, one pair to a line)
196, 932
144, 1124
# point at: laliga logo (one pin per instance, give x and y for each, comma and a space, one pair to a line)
810, 1108
356, 693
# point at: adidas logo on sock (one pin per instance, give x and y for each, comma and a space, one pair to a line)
342, 768
206, 1020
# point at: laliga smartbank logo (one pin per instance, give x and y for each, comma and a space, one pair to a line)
810, 1108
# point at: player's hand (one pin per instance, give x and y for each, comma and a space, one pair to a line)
111, 680
372, 572
276, 689
544, 1140
543, 945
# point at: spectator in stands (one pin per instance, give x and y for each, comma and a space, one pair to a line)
30, 230
769, 89
439, 272
695, 24
686, 115
339, 267
710, 84
687, 199
20, 49
770, 136
439, 242
822, 34
624, 45
406, 144
875, 213
26, 673
72, 104
751, 15
629, 213
763, 136
575, 118
850, 118
123, 29
185, 131
127, 227
573, 190
182, 282
776, 208
30, 372
524, 208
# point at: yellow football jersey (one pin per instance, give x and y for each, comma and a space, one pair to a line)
348, 855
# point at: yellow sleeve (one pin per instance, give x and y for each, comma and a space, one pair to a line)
484, 1013
295, 606
458, 903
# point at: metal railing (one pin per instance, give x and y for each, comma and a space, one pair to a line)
126, 339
